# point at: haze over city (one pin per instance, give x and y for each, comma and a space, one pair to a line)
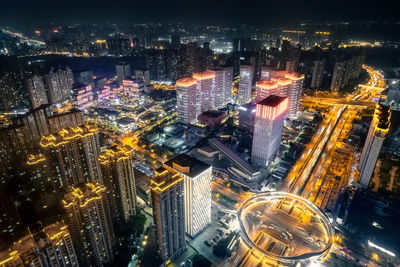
213, 133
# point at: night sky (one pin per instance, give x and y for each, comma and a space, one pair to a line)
263, 12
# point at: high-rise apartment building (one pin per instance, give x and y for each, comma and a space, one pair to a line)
85, 77
186, 100
83, 96
268, 126
377, 133
197, 190
89, 222
51, 246
72, 118
37, 91
205, 90
246, 78
59, 85
167, 198
294, 93
218, 88
123, 72
338, 76
72, 155
118, 176
318, 74
227, 81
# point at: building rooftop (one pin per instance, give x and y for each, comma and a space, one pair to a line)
164, 178
187, 165
186, 82
272, 101
204, 75
266, 84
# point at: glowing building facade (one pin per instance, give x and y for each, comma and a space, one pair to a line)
246, 78
133, 88
89, 221
186, 93
270, 115
83, 96
72, 155
118, 176
376, 135
205, 90
167, 197
197, 189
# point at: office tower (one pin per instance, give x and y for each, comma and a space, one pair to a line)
318, 74
268, 126
72, 118
294, 91
377, 133
227, 81
83, 96
133, 88
338, 76
204, 90
59, 85
89, 222
186, 100
37, 91
247, 115
197, 190
51, 246
72, 155
85, 77
265, 73
167, 198
123, 72
118, 175
244, 90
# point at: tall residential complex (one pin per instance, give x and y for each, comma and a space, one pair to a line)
59, 85
377, 133
89, 222
85, 77
227, 81
318, 73
346, 70
51, 246
118, 176
186, 93
37, 91
270, 115
72, 155
167, 198
246, 78
123, 71
218, 90
197, 188
205, 90
282, 83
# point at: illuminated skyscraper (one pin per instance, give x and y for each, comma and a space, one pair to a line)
377, 134
205, 90
59, 85
266, 88
244, 90
51, 246
186, 100
83, 96
338, 76
118, 176
318, 74
89, 222
197, 190
294, 92
37, 91
167, 198
228, 79
218, 89
247, 115
123, 72
72, 155
270, 115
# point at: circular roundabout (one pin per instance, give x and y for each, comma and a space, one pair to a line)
284, 227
